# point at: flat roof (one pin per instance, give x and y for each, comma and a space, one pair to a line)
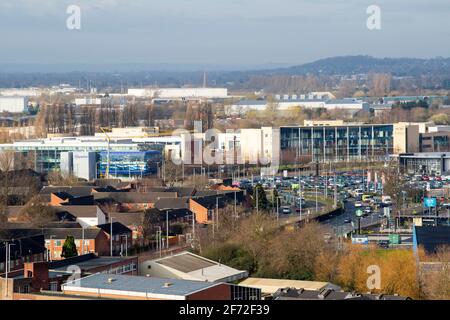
137, 286
272, 285
90, 263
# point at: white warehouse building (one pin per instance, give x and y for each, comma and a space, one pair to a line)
13, 104
348, 105
180, 93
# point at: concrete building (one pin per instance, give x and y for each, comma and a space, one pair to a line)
13, 104
431, 163
350, 105
87, 101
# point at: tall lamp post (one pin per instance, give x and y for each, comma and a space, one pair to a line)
7, 263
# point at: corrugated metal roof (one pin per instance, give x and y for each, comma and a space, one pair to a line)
149, 285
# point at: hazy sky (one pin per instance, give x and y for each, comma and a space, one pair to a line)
234, 32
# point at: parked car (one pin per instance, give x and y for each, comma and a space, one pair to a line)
285, 210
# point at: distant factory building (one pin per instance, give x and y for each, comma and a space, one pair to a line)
13, 104
179, 93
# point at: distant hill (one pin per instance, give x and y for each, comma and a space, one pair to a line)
114, 77
347, 65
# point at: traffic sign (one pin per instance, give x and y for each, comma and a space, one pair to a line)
429, 202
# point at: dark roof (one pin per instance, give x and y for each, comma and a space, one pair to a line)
181, 191
128, 218
431, 238
210, 202
75, 200
24, 246
172, 203
77, 233
173, 213
61, 215
118, 228
86, 262
105, 189
63, 195
134, 197
115, 183
78, 191
78, 211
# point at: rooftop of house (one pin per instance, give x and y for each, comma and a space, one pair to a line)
117, 228
128, 218
135, 285
24, 246
210, 202
172, 203
76, 191
134, 197
181, 191
79, 211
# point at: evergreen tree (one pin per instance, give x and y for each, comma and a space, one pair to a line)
69, 249
260, 195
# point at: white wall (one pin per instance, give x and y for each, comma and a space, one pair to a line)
166, 93
13, 104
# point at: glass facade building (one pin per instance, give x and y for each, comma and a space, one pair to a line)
129, 163
336, 143
44, 155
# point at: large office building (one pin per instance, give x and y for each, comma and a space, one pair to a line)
346, 142
128, 157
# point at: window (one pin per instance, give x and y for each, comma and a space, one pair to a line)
53, 286
26, 289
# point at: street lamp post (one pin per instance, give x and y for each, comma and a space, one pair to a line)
126, 244
7, 263
167, 228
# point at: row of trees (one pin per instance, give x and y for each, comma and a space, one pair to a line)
257, 244
86, 120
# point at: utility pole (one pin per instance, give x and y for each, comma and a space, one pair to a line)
235, 205
278, 211
257, 202
108, 139
193, 230
317, 200
217, 212
167, 228
335, 191
111, 237
82, 239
